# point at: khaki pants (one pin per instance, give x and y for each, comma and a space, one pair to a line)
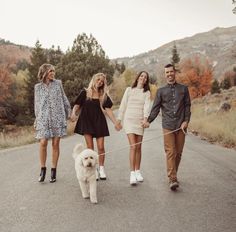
173, 145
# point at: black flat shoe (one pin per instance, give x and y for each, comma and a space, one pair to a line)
42, 174
53, 175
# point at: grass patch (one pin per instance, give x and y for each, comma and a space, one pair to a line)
19, 136
216, 126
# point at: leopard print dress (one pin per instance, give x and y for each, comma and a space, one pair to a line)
52, 109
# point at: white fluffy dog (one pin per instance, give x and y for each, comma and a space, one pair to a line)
85, 167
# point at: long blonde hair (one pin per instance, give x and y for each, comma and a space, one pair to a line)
102, 91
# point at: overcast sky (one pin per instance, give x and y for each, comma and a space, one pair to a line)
122, 27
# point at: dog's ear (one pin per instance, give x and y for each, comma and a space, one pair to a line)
80, 161
77, 149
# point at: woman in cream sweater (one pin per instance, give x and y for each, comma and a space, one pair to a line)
133, 113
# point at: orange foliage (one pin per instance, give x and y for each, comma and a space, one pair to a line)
5, 83
197, 75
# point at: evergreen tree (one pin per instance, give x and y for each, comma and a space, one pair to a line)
234, 9
225, 84
175, 59
37, 58
79, 64
120, 67
215, 87
234, 82
54, 55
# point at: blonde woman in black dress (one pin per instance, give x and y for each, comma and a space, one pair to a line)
92, 103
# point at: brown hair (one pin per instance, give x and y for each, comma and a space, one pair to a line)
146, 86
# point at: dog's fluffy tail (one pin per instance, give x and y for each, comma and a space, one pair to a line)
77, 149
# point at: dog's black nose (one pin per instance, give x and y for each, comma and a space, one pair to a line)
89, 165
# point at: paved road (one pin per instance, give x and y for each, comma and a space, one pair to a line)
205, 202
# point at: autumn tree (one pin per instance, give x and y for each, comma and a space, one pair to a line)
8, 110
5, 84
129, 76
196, 73
229, 79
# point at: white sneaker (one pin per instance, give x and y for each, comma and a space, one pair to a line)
132, 180
102, 173
138, 176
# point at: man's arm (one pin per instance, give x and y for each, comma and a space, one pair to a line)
154, 111
155, 107
187, 111
187, 106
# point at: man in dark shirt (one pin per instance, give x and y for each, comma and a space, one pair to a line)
174, 101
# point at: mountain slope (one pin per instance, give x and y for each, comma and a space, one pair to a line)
218, 45
11, 54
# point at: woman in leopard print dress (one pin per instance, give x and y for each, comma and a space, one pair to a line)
52, 109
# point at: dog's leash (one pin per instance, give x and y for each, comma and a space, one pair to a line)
146, 140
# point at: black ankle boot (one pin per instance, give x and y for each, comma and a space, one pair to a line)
53, 175
42, 174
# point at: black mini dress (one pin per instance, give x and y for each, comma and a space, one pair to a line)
92, 120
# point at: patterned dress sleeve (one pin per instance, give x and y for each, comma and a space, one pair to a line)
108, 103
81, 98
36, 100
65, 101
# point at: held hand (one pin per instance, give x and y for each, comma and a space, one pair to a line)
145, 124
184, 126
73, 117
118, 126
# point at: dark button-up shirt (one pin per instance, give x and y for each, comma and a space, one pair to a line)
174, 102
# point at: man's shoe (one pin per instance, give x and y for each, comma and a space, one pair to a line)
138, 175
174, 185
133, 180
102, 173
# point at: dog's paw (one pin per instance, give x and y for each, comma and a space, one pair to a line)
86, 196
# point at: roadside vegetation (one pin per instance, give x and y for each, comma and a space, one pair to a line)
213, 118
18, 136
213, 100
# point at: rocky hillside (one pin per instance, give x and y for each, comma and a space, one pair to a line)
11, 54
218, 45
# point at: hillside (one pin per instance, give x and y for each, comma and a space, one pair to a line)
11, 54
218, 45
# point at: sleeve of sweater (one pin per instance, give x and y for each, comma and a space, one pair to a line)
146, 108
123, 104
